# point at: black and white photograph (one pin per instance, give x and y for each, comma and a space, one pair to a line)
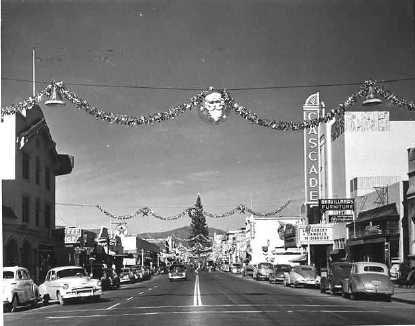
207, 162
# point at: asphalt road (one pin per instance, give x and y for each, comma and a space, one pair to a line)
216, 299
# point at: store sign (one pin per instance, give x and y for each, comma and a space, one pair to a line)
367, 121
315, 234
337, 204
290, 236
72, 234
340, 218
311, 111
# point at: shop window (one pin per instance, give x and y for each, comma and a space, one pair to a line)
47, 215
25, 209
26, 166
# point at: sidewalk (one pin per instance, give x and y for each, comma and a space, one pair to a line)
406, 295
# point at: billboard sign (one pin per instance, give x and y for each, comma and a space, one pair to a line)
337, 204
72, 235
315, 233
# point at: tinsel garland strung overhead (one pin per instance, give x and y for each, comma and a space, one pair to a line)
146, 211
199, 100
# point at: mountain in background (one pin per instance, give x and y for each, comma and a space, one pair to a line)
181, 233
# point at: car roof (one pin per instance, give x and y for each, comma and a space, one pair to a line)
368, 263
61, 268
13, 268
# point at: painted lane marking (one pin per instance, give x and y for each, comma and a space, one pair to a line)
140, 292
150, 289
197, 301
129, 298
113, 306
211, 312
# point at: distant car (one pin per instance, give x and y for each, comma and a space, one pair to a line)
262, 271
126, 275
225, 267
248, 270
210, 265
17, 288
69, 282
277, 276
337, 273
236, 268
178, 272
302, 275
110, 279
368, 278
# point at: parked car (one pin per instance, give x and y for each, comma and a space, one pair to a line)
177, 272
110, 279
137, 273
126, 275
336, 274
225, 267
69, 282
277, 276
248, 270
368, 278
17, 288
302, 275
262, 271
236, 268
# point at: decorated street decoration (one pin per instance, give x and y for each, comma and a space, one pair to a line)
146, 211
214, 106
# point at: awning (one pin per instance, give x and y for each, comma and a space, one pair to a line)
359, 242
300, 259
386, 212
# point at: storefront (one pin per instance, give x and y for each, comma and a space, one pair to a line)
375, 234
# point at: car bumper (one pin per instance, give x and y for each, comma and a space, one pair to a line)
81, 294
177, 277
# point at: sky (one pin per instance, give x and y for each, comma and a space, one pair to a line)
195, 44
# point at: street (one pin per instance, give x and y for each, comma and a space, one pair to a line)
216, 298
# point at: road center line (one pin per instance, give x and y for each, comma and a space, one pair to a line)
140, 292
129, 298
113, 306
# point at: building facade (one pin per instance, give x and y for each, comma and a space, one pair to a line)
29, 165
410, 201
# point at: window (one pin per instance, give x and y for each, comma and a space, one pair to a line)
37, 170
47, 178
378, 269
25, 209
37, 211
26, 166
47, 215
8, 274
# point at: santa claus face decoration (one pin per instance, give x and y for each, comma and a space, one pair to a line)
214, 108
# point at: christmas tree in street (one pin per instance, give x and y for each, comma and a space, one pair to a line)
199, 237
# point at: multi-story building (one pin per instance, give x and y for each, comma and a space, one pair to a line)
29, 166
410, 201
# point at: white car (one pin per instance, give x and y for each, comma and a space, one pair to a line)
177, 272
17, 288
69, 282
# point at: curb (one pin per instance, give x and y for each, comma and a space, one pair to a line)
403, 300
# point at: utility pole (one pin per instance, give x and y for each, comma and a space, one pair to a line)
142, 257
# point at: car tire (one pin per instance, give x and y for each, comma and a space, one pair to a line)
388, 298
60, 299
353, 296
14, 304
45, 300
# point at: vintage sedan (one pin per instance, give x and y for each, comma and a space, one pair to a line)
236, 268
302, 275
177, 272
368, 278
333, 282
69, 282
262, 271
277, 276
17, 288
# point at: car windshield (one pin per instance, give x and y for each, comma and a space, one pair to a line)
265, 265
8, 274
283, 268
373, 268
306, 271
342, 269
71, 272
177, 268
236, 265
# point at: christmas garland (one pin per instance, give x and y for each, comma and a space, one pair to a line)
198, 101
146, 211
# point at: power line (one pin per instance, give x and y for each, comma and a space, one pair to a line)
172, 88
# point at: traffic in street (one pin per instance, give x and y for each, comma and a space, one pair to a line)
215, 298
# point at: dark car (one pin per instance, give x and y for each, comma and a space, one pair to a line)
277, 276
109, 279
336, 274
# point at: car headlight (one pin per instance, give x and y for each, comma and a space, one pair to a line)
65, 286
99, 283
